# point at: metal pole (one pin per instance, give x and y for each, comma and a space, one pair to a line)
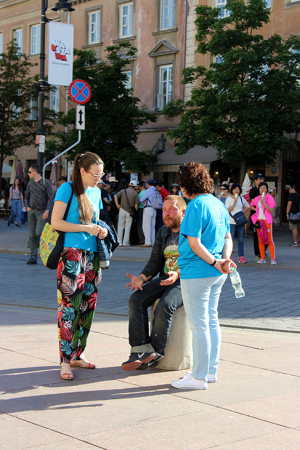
40, 130
65, 151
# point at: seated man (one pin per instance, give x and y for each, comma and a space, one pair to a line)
147, 350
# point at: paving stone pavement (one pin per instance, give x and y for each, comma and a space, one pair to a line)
272, 292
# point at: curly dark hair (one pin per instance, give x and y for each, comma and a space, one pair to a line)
195, 179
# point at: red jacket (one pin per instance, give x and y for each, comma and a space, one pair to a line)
164, 193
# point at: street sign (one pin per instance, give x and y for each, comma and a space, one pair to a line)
80, 91
80, 117
40, 139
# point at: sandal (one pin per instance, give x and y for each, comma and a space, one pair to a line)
66, 372
82, 362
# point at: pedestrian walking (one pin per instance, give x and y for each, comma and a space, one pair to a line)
263, 205
140, 212
16, 201
293, 207
254, 192
38, 203
78, 272
149, 216
129, 200
204, 260
235, 204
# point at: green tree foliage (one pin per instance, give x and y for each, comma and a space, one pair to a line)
112, 115
17, 89
249, 100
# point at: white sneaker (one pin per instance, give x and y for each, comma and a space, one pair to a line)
211, 378
261, 261
188, 382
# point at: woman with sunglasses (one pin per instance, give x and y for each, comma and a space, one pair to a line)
224, 192
78, 272
235, 203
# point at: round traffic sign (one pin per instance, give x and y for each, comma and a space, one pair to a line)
80, 91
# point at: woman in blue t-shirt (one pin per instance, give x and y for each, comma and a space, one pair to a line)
78, 272
205, 247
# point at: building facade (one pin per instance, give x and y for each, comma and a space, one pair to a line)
157, 28
163, 31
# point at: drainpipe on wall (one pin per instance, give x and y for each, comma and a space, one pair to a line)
186, 18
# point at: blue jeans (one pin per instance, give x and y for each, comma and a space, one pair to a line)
170, 300
240, 236
16, 206
201, 299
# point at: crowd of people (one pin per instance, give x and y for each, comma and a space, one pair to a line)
134, 208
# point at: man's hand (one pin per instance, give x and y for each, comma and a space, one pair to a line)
28, 209
136, 283
119, 207
224, 265
173, 276
45, 215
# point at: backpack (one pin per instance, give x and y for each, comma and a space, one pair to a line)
157, 202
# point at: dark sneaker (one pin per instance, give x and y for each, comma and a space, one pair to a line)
137, 359
142, 367
17, 225
32, 261
153, 363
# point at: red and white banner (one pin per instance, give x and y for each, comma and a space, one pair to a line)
60, 56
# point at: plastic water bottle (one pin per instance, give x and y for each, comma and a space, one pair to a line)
237, 283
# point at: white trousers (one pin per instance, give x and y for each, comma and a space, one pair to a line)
149, 217
124, 227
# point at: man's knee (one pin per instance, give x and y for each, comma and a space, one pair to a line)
168, 304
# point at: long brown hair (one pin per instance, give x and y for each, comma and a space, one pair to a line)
19, 185
84, 161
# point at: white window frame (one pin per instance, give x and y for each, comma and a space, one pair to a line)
1, 44
128, 83
54, 99
94, 26
35, 39
167, 13
224, 12
127, 18
18, 37
34, 112
164, 98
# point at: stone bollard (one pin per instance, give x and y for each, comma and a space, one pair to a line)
178, 352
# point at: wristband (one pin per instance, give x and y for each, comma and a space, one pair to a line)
141, 279
213, 262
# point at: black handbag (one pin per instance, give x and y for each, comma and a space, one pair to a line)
239, 217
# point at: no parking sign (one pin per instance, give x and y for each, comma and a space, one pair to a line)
80, 91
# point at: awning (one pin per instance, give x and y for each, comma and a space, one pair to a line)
169, 162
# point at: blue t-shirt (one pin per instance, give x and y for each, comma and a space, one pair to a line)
205, 218
84, 241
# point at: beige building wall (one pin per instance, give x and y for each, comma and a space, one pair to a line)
156, 47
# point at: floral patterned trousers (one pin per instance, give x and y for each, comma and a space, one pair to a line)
78, 276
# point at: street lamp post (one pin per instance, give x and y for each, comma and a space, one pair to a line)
63, 8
